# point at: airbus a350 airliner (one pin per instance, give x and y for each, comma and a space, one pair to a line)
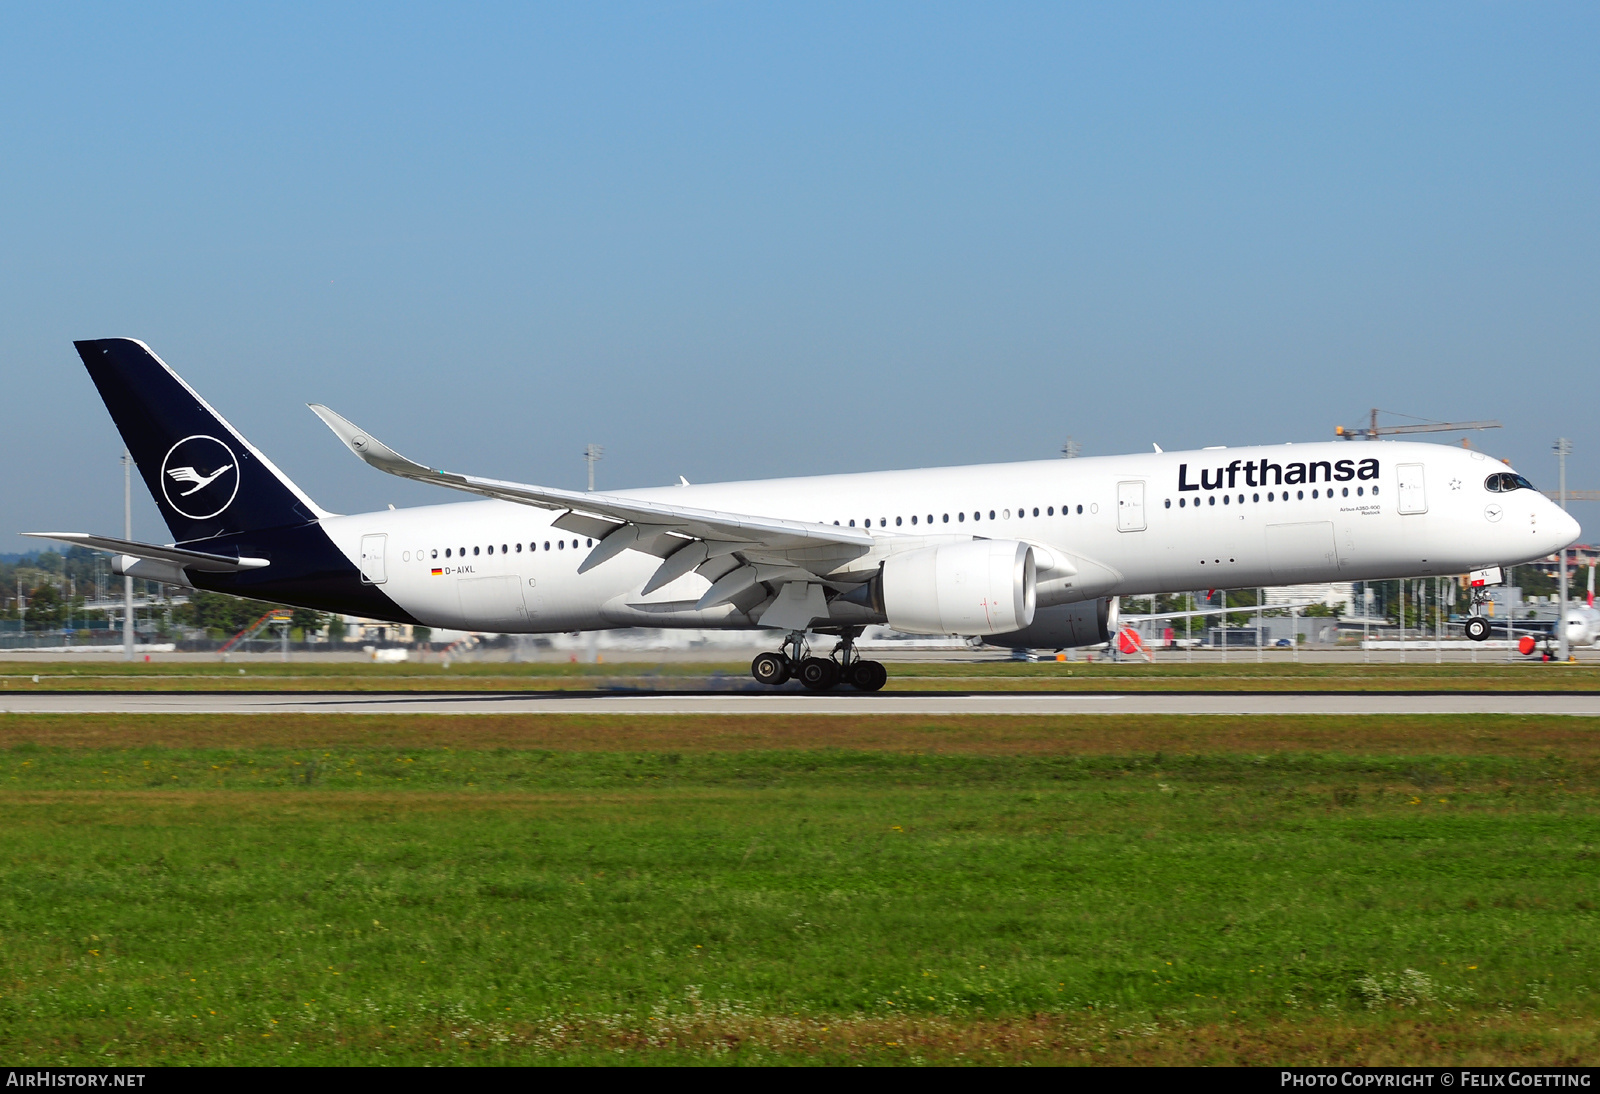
1022, 554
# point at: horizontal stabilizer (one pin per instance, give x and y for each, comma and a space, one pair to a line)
181, 556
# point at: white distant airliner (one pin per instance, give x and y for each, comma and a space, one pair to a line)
1023, 554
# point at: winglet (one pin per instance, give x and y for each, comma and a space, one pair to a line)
368, 447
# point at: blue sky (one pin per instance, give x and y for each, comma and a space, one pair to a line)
731, 241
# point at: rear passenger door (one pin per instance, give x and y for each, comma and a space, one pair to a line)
372, 570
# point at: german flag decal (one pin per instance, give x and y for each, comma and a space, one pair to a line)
437, 571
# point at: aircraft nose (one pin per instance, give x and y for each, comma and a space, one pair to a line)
1565, 531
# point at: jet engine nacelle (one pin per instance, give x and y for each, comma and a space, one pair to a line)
986, 586
1087, 623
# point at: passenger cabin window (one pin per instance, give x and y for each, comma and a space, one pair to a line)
447, 552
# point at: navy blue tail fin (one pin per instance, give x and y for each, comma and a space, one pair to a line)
206, 479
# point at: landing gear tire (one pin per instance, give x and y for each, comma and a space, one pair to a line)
770, 668
868, 675
1477, 628
818, 673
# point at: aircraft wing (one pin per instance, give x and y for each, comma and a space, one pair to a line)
182, 556
733, 550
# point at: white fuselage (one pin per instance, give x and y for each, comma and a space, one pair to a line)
1123, 525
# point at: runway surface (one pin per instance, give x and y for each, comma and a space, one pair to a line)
792, 702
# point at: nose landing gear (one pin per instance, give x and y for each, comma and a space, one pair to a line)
1477, 627
844, 665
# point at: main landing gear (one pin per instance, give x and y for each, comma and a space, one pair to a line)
844, 665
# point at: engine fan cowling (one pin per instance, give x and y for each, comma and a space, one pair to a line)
987, 586
1086, 623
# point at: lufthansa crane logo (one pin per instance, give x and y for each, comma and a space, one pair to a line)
200, 477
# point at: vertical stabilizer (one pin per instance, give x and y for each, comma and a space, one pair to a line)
206, 479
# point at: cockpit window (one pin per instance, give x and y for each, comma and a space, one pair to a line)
1504, 482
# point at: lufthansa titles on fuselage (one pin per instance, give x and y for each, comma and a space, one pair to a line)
1257, 472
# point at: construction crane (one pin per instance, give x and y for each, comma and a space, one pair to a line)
1373, 431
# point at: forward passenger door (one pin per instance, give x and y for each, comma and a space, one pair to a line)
1130, 506
1413, 489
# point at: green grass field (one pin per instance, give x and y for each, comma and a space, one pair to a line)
329, 889
1169, 673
